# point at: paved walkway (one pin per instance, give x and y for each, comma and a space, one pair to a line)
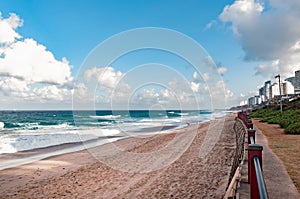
279, 184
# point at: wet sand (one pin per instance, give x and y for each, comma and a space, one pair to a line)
91, 174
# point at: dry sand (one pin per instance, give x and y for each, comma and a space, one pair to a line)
80, 175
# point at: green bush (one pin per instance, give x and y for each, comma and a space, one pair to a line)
284, 123
293, 128
289, 119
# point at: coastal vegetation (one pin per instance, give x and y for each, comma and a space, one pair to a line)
289, 119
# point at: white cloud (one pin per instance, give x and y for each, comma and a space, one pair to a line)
195, 86
166, 94
32, 62
147, 96
265, 70
13, 85
111, 88
8, 27
210, 24
241, 98
167, 98
222, 70
107, 77
79, 91
271, 34
205, 77
28, 70
200, 78
241, 11
51, 92
195, 76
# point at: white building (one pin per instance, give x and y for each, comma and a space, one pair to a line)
287, 88
274, 90
268, 94
251, 101
297, 82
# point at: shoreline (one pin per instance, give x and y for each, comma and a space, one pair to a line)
10, 160
79, 174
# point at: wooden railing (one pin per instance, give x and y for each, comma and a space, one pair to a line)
255, 175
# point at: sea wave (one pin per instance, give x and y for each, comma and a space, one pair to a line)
30, 131
12, 143
105, 116
183, 114
19, 126
178, 113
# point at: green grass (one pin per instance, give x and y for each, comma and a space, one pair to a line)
289, 119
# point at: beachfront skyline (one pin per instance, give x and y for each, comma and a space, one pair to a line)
249, 41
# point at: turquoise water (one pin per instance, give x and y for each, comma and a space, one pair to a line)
27, 130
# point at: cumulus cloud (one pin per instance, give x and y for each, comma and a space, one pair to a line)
222, 70
51, 92
28, 69
210, 24
8, 28
105, 86
267, 31
13, 85
107, 78
168, 98
80, 91
200, 78
147, 96
33, 63
195, 86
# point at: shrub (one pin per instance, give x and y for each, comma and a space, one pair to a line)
293, 128
288, 119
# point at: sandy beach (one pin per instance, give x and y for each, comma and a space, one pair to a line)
81, 174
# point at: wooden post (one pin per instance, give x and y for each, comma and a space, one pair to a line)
254, 150
251, 132
249, 125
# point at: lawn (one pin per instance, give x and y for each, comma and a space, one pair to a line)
285, 146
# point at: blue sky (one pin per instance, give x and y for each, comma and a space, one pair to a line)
72, 29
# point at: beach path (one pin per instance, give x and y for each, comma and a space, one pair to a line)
278, 182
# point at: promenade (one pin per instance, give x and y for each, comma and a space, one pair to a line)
278, 183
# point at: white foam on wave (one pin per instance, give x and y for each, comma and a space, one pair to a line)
63, 125
179, 114
46, 136
1, 125
183, 114
105, 116
32, 140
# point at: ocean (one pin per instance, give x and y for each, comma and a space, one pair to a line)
29, 130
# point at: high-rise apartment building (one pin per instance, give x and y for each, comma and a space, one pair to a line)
297, 82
